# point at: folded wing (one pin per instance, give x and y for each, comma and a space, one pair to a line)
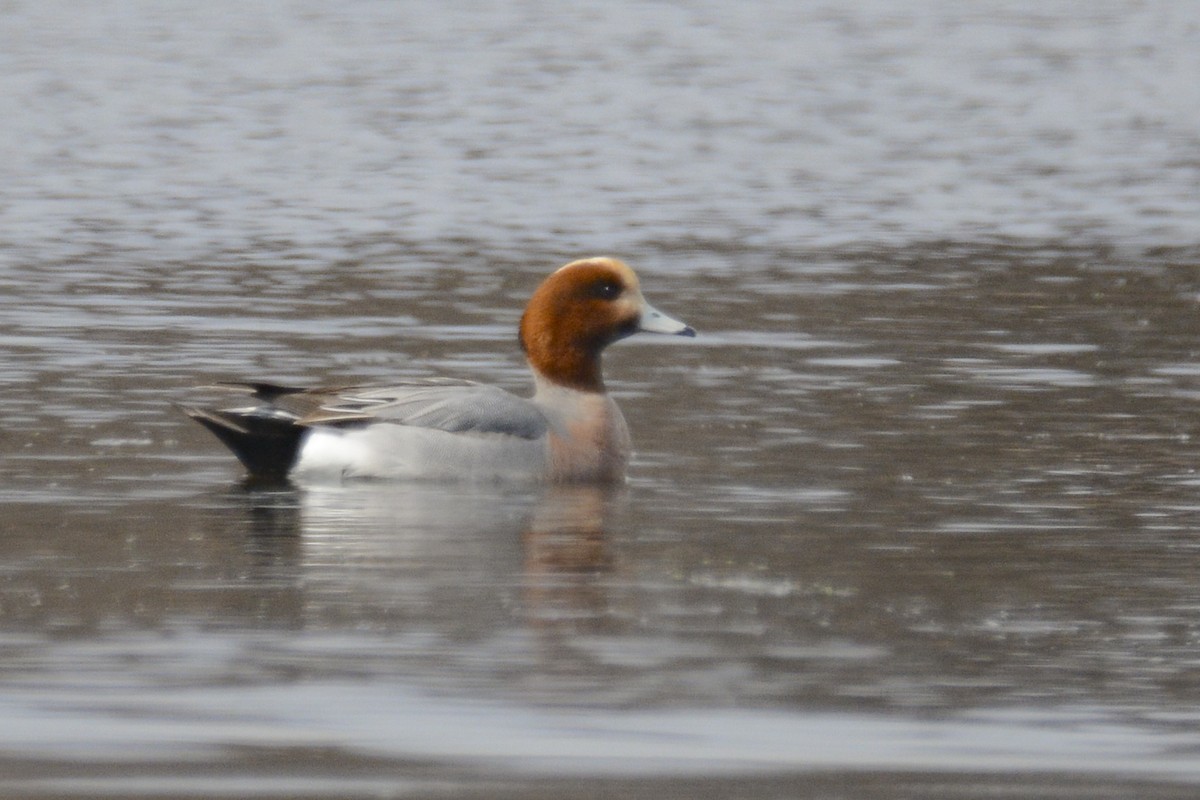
447, 405
265, 432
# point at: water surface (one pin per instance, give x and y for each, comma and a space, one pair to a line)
913, 516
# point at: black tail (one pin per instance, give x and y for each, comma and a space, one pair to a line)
265, 443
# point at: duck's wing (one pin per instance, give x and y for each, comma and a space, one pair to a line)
447, 405
443, 404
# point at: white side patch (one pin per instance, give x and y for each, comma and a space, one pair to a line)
400, 451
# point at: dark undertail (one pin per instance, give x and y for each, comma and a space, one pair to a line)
266, 445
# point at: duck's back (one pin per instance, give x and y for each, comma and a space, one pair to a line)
435, 429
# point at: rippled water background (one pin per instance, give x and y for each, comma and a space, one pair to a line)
915, 516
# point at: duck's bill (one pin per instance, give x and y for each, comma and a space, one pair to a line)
654, 321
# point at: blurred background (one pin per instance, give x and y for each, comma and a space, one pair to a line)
914, 516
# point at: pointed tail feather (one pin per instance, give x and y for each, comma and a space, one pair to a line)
266, 444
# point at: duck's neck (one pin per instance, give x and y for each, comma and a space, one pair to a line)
545, 386
572, 367
589, 440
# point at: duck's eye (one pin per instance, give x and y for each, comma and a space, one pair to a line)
606, 289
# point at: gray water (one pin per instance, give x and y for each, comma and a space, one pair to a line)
914, 516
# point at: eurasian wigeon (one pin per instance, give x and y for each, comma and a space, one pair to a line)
442, 429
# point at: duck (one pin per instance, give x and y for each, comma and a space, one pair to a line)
570, 431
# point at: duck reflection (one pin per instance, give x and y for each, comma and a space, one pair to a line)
566, 554
462, 558
272, 518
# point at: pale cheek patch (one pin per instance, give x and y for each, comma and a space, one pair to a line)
629, 306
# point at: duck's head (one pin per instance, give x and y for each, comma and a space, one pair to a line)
579, 310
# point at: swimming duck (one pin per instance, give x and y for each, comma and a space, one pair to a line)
569, 431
